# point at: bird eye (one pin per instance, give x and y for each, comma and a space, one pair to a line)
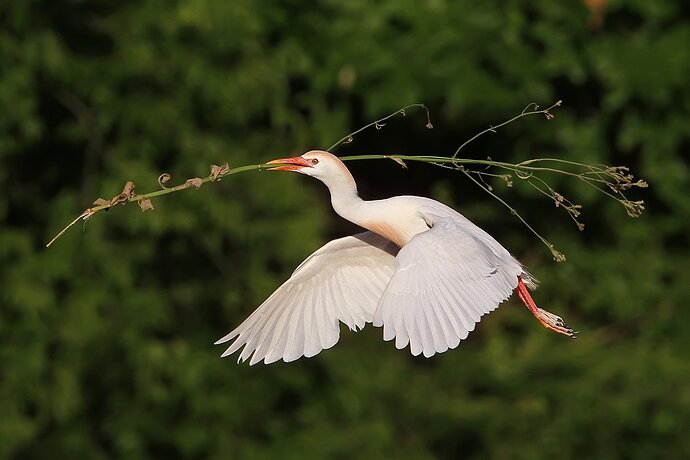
314, 161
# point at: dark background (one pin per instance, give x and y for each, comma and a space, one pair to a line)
106, 338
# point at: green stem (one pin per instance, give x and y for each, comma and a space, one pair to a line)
239, 169
429, 159
89, 212
492, 129
348, 138
525, 170
178, 188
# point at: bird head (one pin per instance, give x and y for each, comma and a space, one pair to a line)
316, 163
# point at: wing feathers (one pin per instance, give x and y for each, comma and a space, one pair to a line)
271, 342
342, 299
295, 344
342, 281
417, 328
309, 325
449, 334
437, 333
456, 318
446, 279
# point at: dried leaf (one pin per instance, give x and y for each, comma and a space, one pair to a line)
217, 171
194, 182
146, 205
399, 161
162, 179
128, 191
126, 195
101, 202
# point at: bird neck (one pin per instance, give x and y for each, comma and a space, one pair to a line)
372, 215
344, 198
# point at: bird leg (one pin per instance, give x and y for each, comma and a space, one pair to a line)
547, 319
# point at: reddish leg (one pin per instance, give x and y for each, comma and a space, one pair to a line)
547, 319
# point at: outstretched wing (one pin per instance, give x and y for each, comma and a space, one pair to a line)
445, 279
342, 281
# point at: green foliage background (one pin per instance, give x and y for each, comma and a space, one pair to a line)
106, 338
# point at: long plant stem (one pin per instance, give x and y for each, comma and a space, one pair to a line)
611, 181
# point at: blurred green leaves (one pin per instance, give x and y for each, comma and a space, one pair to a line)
105, 339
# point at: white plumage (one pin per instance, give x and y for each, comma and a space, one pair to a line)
341, 282
423, 271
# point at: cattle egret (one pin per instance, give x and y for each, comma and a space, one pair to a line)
422, 271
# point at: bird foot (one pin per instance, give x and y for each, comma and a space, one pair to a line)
545, 318
553, 322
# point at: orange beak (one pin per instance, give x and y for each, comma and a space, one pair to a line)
289, 164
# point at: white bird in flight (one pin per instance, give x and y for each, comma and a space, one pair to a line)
422, 271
